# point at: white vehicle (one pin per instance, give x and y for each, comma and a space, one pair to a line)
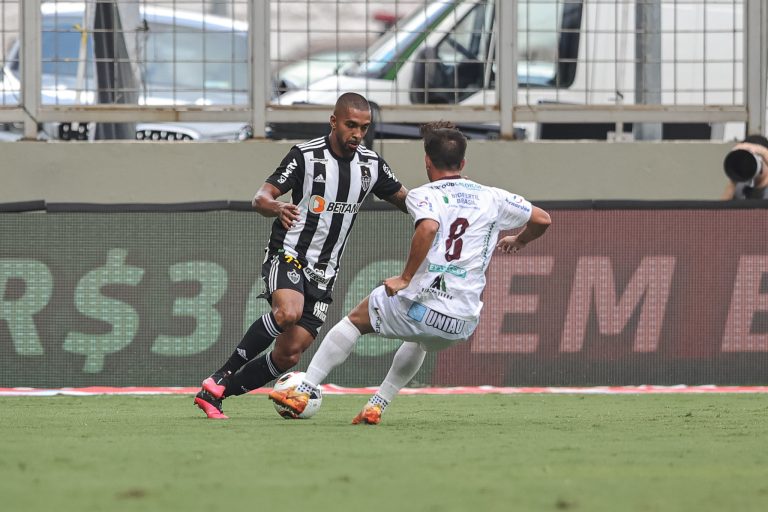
173, 71
571, 52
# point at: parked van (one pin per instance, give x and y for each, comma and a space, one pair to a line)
570, 52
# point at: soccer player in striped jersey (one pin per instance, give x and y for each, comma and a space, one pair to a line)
329, 178
435, 301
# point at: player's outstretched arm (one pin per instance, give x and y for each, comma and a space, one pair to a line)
426, 229
265, 202
536, 226
398, 199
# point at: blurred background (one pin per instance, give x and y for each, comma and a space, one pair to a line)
525, 69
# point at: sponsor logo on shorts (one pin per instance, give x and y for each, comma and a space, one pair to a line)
320, 311
377, 325
417, 311
316, 275
294, 276
432, 318
292, 260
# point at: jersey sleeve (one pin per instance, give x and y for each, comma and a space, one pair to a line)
289, 172
421, 205
387, 183
514, 210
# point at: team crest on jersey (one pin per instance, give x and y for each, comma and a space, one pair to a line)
365, 177
294, 276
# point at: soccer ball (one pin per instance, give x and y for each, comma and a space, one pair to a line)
292, 379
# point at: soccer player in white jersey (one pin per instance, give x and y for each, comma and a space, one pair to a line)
329, 178
435, 301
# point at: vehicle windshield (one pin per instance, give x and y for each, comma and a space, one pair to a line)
393, 48
183, 58
542, 24
175, 58
539, 30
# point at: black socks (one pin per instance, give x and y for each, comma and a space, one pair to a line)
259, 336
252, 375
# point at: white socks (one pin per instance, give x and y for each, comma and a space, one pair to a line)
334, 350
405, 365
378, 400
338, 344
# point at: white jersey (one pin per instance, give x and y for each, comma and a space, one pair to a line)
452, 277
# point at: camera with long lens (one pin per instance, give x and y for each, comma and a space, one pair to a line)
741, 165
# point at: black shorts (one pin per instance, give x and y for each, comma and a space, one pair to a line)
281, 271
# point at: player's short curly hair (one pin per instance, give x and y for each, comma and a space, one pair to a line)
444, 144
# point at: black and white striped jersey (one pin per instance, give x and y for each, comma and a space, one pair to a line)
328, 191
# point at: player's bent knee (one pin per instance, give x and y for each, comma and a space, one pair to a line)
286, 317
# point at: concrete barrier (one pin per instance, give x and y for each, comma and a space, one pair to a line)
120, 172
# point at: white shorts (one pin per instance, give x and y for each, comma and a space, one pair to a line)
400, 318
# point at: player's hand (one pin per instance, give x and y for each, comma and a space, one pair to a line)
510, 244
394, 284
288, 214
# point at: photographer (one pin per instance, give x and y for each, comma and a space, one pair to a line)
746, 166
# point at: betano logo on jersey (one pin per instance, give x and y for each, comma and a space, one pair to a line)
318, 204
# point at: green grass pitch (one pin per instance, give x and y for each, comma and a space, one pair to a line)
668, 452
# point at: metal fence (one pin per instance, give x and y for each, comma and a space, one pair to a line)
223, 69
